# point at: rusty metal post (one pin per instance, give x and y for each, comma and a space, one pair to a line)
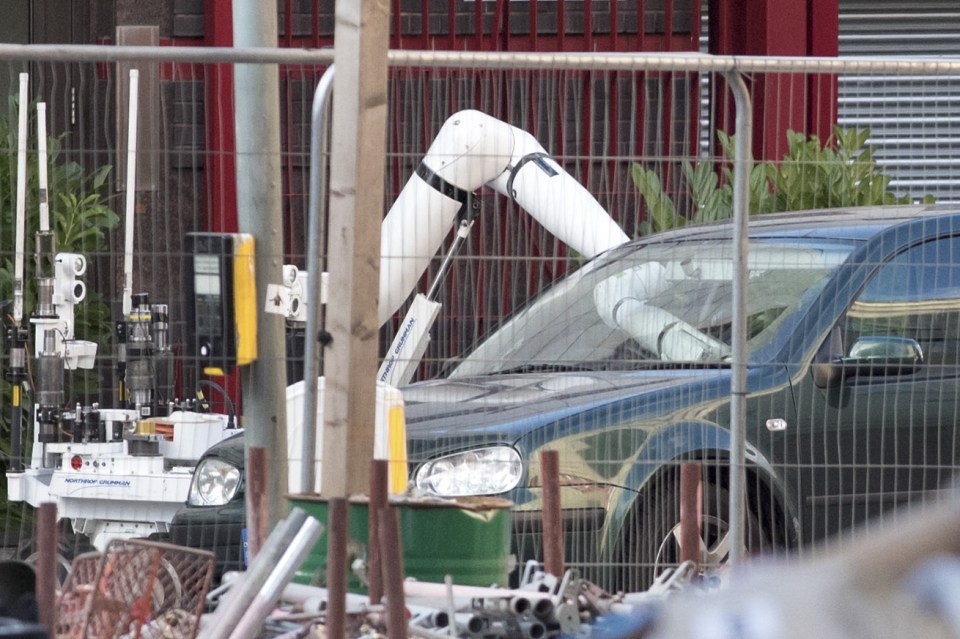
337, 567
47, 580
552, 523
691, 505
378, 500
257, 506
390, 551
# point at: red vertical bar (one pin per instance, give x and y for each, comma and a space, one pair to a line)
221, 143
669, 98
588, 39
425, 25
780, 27
613, 105
694, 44
221, 164
668, 24
824, 32
396, 37
641, 36
505, 30
478, 25
534, 31
287, 23
614, 26
452, 25
694, 98
289, 175
561, 26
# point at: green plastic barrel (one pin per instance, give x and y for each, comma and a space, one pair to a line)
468, 539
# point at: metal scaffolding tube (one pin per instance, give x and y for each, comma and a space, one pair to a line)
243, 592
738, 384
637, 61
318, 186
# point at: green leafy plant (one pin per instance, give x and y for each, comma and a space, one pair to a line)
839, 172
81, 219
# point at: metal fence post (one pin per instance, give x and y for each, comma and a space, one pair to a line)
738, 390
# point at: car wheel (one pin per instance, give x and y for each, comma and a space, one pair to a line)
69, 545
650, 543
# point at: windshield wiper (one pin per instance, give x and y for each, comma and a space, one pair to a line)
547, 367
656, 365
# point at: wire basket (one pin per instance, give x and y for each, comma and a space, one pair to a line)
136, 588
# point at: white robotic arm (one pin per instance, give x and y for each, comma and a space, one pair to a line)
622, 301
473, 149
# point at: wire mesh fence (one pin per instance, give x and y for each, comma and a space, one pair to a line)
622, 364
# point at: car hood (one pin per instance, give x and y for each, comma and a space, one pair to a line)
505, 407
449, 414
230, 450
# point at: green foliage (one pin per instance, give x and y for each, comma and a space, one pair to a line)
840, 172
80, 218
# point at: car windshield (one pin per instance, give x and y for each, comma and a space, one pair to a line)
656, 304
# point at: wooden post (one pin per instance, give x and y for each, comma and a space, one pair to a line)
356, 212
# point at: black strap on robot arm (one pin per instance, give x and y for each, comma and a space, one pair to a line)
469, 204
540, 159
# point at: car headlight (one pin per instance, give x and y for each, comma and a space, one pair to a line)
215, 482
482, 471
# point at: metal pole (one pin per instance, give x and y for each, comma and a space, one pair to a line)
18, 334
241, 595
21, 202
266, 598
738, 382
311, 365
260, 213
131, 193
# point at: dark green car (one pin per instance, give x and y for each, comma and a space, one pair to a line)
853, 322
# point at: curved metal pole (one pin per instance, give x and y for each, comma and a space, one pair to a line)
742, 164
311, 365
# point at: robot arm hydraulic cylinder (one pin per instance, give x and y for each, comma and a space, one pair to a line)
473, 149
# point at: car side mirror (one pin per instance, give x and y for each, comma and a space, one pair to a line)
882, 355
870, 355
826, 369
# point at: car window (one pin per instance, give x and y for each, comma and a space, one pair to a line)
657, 304
916, 295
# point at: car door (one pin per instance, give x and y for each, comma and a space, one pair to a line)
883, 431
